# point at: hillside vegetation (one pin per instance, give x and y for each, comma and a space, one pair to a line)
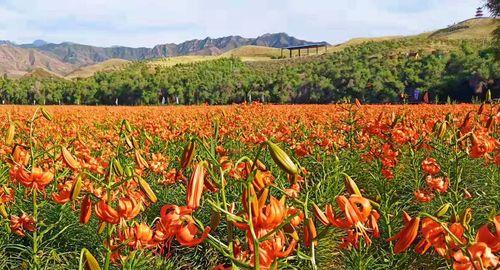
391, 70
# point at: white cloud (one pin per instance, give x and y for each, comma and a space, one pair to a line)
148, 22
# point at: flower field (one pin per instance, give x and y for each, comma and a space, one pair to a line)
345, 186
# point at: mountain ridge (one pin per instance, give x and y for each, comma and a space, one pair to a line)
81, 54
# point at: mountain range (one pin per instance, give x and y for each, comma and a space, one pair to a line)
67, 56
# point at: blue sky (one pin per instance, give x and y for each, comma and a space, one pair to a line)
149, 22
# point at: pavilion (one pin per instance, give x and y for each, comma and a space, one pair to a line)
306, 47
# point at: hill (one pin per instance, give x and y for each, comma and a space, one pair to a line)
41, 73
477, 28
108, 65
81, 55
67, 57
15, 61
245, 53
253, 53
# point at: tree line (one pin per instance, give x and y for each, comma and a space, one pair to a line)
374, 72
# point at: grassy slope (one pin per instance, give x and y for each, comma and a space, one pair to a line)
469, 29
246, 53
42, 74
87, 71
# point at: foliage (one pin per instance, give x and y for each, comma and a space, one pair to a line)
374, 72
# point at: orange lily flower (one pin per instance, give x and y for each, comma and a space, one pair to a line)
64, 194
435, 235
186, 235
430, 166
438, 184
359, 218
272, 214
423, 196
106, 213
482, 258
128, 208
177, 221
38, 179
490, 239
262, 179
139, 236
6, 195
18, 224
407, 235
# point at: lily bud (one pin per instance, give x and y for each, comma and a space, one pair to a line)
77, 186
101, 227
443, 210
68, 159
320, 215
481, 109
148, 137
358, 103
3, 211
128, 171
127, 126
195, 186
282, 159
442, 130
188, 154
146, 189
46, 114
490, 123
310, 233
466, 217
351, 186
89, 262
135, 143
294, 235
117, 167
466, 121
140, 160
129, 142
11, 131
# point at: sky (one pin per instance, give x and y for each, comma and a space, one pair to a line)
145, 23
